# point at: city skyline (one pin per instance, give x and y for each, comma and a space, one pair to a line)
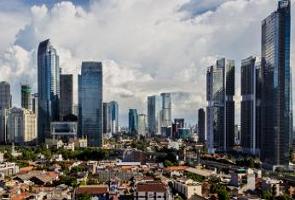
185, 73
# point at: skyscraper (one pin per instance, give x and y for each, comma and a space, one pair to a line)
201, 125
177, 125
114, 109
166, 120
142, 125
5, 103
154, 107
48, 88
106, 118
66, 95
133, 122
250, 104
90, 84
276, 86
5, 95
221, 108
26, 97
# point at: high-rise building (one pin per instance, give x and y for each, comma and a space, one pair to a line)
250, 104
48, 88
21, 126
201, 125
133, 122
221, 108
5, 103
142, 125
106, 118
90, 84
35, 103
276, 86
110, 118
166, 120
5, 95
154, 107
26, 97
66, 95
114, 110
177, 125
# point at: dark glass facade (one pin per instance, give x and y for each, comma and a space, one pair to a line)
26, 97
66, 95
106, 118
114, 110
48, 88
5, 103
250, 105
201, 125
133, 122
90, 86
153, 114
221, 108
276, 86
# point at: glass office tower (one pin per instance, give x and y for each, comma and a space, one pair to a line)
26, 97
221, 108
5, 103
276, 86
90, 86
201, 125
66, 95
48, 88
114, 110
133, 122
251, 105
154, 107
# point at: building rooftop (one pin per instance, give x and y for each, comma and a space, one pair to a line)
92, 189
151, 187
201, 172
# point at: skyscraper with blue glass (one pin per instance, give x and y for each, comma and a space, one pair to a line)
276, 86
90, 86
48, 88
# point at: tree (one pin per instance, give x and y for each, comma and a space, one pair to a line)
223, 195
195, 177
84, 197
266, 195
168, 163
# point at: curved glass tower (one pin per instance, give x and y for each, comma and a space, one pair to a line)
48, 88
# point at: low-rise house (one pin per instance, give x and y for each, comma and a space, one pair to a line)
100, 192
243, 180
272, 185
151, 190
8, 169
187, 187
38, 177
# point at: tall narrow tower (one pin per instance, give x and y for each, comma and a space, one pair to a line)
48, 88
276, 86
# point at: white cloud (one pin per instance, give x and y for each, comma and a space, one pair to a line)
147, 46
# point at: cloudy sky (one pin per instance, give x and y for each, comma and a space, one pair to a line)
147, 46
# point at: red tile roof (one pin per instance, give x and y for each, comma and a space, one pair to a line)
151, 187
92, 189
